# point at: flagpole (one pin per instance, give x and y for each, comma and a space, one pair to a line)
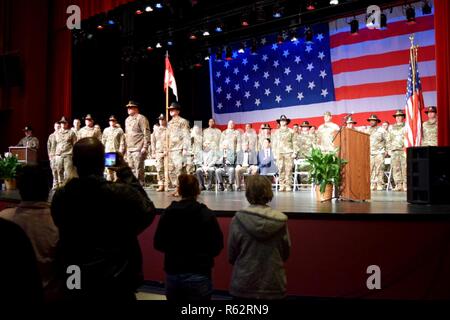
166, 158
413, 61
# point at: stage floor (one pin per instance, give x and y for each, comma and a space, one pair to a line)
303, 202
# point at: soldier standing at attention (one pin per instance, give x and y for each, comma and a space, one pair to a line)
430, 128
51, 150
250, 137
113, 139
350, 123
137, 139
397, 150
231, 137
89, 130
179, 143
29, 140
65, 140
378, 140
76, 126
305, 141
159, 150
263, 134
284, 151
211, 136
326, 134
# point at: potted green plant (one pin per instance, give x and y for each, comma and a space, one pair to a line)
8, 170
325, 172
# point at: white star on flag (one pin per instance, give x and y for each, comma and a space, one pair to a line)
246, 78
256, 85
274, 46
287, 71
310, 67
219, 90
285, 53
266, 75
278, 99
220, 106
236, 71
218, 74
226, 65
276, 64
323, 74
237, 87
321, 55
228, 96
300, 96
263, 41
288, 89
227, 80
244, 61
311, 85
277, 81
324, 93
255, 67
320, 37
308, 49
297, 59
247, 94
258, 102
238, 103
299, 77
234, 55
267, 92
265, 57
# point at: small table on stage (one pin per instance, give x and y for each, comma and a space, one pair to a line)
24, 154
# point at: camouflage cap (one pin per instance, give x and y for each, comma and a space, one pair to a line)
399, 113
373, 117
305, 124
132, 104
284, 118
431, 109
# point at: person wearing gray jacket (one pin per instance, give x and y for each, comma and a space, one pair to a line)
258, 246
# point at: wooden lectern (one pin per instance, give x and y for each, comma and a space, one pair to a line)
24, 154
354, 146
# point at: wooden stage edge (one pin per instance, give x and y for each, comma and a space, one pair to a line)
302, 205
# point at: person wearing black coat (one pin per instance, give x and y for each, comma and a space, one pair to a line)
190, 237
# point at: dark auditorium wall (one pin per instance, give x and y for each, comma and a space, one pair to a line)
27, 104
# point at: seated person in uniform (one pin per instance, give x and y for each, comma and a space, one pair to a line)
247, 163
206, 167
226, 166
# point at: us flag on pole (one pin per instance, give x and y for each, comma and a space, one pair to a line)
414, 105
169, 79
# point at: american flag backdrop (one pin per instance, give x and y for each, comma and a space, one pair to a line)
338, 72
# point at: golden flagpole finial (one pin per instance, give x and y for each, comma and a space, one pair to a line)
411, 38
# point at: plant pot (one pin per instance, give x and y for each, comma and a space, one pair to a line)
327, 195
10, 184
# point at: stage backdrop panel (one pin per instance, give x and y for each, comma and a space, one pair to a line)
336, 71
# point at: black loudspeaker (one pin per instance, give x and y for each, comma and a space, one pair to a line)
10, 70
428, 175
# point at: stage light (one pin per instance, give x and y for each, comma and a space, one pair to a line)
411, 15
169, 43
206, 58
241, 48
218, 29
206, 33
228, 53
426, 8
309, 35
158, 45
334, 2
148, 9
277, 11
293, 35
90, 36
354, 27
310, 5
111, 22
158, 5
139, 12
192, 36
100, 27
150, 48
245, 22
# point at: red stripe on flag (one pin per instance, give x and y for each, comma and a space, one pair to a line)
394, 29
381, 89
381, 60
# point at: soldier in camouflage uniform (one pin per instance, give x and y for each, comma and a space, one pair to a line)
396, 143
179, 143
249, 136
326, 134
430, 128
296, 130
212, 135
378, 141
350, 123
137, 139
284, 151
65, 140
264, 133
113, 139
76, 127
51, 150
194, 157
305, 141
159, 151
89, 130
231, 137
29, 140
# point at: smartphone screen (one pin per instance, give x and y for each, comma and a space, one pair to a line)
110, 159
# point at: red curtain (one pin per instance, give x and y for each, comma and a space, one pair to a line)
442, 26
60, 69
